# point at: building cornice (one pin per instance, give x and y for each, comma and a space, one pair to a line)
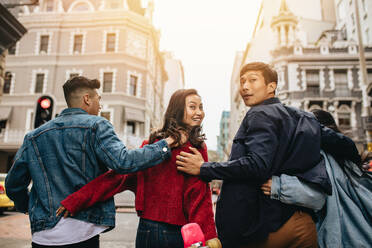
11, 30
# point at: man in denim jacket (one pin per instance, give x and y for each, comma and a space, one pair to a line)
63, 155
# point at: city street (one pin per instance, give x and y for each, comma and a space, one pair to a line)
15, 231
15, 228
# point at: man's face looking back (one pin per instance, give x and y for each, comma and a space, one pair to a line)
253, 88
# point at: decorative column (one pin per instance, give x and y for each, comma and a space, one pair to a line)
306, 105
335, 114
331, 79
303, 79
282, 35
353, 117
325, 105
321, 79
291, 37
349, 78
276, 36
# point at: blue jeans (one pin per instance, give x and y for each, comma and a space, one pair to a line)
153, 234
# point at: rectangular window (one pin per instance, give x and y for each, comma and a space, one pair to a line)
312, 80
106, 115
369, 75
110, 42
7, 82
344, 120
131, 128
133, 85
44, 40
39, 83
78, 43
341, 85
107, 81
49, 5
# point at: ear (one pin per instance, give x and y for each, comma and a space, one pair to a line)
272, 87
86, 99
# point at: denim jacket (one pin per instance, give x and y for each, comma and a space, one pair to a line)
346, 219
64, 154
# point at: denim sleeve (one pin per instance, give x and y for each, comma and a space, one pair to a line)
111, 151
290, 190
18, 179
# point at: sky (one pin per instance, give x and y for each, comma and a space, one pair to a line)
205, 35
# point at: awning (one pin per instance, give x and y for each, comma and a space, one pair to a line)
5, 113
132, 114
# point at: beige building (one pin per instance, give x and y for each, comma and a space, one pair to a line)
111, 40
316, 60
175, 76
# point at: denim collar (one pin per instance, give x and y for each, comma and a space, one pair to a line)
73, 111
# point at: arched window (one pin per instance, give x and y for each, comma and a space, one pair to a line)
81, 6
313, 107
344, 117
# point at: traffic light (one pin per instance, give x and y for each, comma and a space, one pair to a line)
44, 110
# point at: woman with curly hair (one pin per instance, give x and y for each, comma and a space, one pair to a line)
165, 198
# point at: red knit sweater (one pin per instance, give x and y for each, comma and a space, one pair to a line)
162, 194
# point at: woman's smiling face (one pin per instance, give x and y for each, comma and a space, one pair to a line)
194, 113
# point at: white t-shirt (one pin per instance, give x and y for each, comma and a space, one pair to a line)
67, 231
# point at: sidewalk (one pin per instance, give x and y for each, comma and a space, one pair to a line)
15, 231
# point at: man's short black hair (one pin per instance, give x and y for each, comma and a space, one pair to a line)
269, 74
76, 83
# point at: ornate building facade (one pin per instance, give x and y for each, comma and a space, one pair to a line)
316, 60
111, 40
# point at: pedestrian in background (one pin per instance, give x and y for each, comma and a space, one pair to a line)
64, 154
165, 198
343, 219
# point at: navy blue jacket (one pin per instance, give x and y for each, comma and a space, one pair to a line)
273, 139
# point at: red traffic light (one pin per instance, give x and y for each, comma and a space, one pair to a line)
45, 103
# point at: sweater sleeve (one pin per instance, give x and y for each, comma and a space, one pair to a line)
98, 190
198, 203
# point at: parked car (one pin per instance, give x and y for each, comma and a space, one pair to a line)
5, 202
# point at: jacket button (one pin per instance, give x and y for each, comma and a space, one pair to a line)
165, 149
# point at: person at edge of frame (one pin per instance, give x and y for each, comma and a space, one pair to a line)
342, 219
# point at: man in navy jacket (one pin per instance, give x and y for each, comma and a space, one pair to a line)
272, 139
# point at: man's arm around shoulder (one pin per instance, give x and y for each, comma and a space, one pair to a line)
111, 150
